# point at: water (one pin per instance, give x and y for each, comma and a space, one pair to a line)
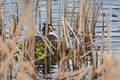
115, 10
115, 22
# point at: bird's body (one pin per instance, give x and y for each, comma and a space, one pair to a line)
52, 36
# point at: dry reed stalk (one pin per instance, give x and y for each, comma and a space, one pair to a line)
58, 39
103, 32
82, 25
87, 53
12, 26
94, 13
65, 8
36, 9
74, 55
65, 33
108, 21
50, 11
46, 34
78, 28
63, 40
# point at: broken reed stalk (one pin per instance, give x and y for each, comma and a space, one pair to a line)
63, 40
81, 13
65, 8
46, 34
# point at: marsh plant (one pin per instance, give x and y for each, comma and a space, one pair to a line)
75, 51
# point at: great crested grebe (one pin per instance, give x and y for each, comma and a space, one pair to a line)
51, 35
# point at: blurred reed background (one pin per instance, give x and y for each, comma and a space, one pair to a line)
87, 33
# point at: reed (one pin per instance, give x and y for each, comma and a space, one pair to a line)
75, 53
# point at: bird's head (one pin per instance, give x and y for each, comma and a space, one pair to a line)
50, 27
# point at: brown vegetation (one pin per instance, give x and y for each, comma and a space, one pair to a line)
76, 44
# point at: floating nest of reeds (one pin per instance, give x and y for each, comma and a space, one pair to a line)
40, 51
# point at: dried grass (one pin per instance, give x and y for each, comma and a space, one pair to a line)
80, 48
26, 66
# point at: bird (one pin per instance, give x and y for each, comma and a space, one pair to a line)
39, 43
51, 35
